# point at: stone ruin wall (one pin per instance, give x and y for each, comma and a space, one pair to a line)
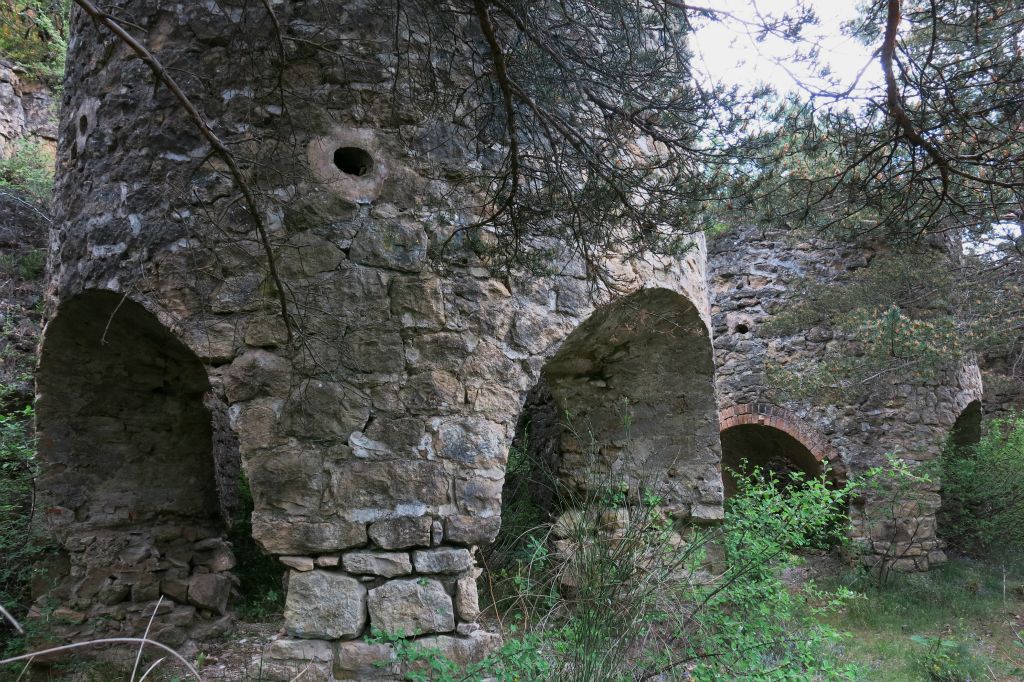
752, 273
375, 440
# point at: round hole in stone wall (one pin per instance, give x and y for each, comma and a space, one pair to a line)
83, 124
742, 328
353, 161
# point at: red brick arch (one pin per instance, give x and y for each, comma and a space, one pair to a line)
773, 416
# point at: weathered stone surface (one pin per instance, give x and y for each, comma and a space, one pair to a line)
323, 409
386, 564
299, 563
324, 605
209, 591
472, 530
401, 533
285, 659
398, 245
467, 601
283, 535
357, 661
463, 651
410, 607
442, 560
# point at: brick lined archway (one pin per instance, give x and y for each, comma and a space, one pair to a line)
760, 432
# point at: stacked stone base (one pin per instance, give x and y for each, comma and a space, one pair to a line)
403, 583
111, 582
358, 661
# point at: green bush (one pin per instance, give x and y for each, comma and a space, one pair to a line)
627, 594
983, 491
948, 660
33, 34
29, 170
20, 547
752, 626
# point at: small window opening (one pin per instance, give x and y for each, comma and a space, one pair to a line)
83, 124
353, 161
742, 328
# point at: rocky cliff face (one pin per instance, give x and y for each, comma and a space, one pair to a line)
26, 116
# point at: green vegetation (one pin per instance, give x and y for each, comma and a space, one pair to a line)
20, 547
33, 34
29, 170
957, 622
608, 592
983, 492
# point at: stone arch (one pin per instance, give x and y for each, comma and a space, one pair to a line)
127, 438
966, 429
769, 435
628, 400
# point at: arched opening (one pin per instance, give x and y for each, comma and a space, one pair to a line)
129, 478
747, 448
627, 404
966, 431
126, 438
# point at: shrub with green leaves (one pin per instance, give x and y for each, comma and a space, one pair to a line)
983, 491
20, 547
33, 34
751, 625
29, 170
620, 592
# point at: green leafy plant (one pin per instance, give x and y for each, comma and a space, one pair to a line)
20, 546
33, 34
29, 170
983, 492
948, 660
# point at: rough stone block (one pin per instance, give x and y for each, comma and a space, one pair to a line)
411, 607
289, 659
467, 601
442, 560
385, 564
471, 530
283, 535
357, 661
401, 533
324, 605
326, 409
299, 563
464, 651
210, 591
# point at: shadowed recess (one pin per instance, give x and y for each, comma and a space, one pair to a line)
764, 447
125, 438
966, 430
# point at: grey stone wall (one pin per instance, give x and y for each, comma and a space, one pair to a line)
375, 439
753, 273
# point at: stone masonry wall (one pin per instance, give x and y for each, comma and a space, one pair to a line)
752, 275
375, 438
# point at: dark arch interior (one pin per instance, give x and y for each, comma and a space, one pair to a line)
764, 447
125, 438
967, 427
353, 161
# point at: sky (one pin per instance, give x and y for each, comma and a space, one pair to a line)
729, 52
